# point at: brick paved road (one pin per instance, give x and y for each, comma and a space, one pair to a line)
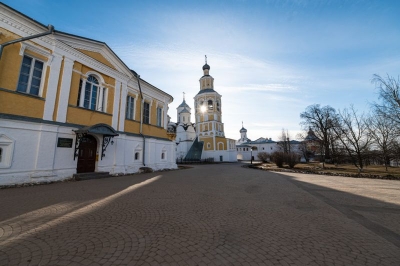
207, 215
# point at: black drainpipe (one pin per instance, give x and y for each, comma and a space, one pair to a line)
50, 31
141, 120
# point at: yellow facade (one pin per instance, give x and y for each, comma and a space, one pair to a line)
208, 143
82, 116
33, 106
221, 140
22, 105
99, 57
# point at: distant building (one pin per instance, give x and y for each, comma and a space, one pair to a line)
247, 149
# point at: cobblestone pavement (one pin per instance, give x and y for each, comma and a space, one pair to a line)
207, 215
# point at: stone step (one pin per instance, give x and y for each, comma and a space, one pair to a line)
93, 175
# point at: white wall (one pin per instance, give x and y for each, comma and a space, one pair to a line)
36, 157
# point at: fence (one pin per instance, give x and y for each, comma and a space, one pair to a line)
194, 161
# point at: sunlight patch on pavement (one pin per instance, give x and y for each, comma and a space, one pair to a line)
8, 228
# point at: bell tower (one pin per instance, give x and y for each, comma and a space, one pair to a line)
208, 111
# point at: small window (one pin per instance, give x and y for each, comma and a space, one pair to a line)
129, 107
137, 156
30, 76
217, 105
146, 113
210, 105
183, 118
1, 154
208, 145
163, 156
159, 117
263, 148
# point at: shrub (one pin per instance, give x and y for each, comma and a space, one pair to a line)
292, 159
278, 158
263, 156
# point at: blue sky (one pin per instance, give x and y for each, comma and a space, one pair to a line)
270, 59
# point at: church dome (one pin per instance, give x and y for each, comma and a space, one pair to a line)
206, 66
184, 104
243, 130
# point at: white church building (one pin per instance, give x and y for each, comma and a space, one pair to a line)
205, 138
249, 150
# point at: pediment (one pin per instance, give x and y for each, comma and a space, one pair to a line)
94, 49
98, 56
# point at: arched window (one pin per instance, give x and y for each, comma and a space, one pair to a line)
162, 156
91, 92
91, 95
217, 105
220, 146
210, 105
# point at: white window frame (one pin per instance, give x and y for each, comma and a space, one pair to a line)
149, 115
102, 93
160, 115
30, 76
7, 147
130, 108
137, 150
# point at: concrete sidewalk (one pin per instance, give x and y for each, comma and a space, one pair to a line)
220, 214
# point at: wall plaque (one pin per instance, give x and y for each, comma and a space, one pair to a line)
64, 142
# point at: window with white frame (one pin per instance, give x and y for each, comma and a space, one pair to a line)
159, 117
129, 107
146, 113
91, 95
30, 76
6, 151
137, 156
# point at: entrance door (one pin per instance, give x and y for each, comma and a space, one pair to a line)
87, 155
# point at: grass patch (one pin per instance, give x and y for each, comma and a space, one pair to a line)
371, 171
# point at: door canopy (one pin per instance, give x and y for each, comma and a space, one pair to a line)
105, 130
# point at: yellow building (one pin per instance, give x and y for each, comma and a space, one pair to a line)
68, 104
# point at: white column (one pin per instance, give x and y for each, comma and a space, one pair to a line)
64, 90
82, 95
124, 93
117, 94
101, 95
165, 120
52, 84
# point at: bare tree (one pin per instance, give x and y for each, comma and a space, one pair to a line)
320, 120
383, 133
389, 94
305, 152
284, 141
351, 130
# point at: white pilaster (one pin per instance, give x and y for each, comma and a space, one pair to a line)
64, 90
82, 95
52, 87
117, 97
124, 93
165, 119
